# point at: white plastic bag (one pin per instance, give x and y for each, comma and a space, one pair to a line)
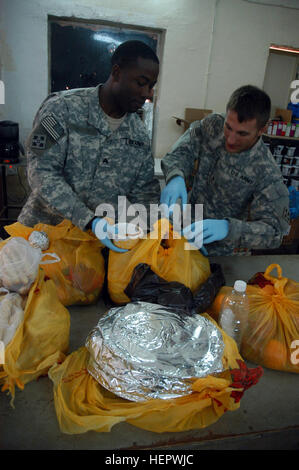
11, 315
19, 263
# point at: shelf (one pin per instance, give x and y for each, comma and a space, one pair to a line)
283, 137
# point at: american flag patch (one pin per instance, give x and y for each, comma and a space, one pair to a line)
195, 131
53, 128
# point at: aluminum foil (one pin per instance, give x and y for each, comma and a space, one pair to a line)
39, 240
143, 351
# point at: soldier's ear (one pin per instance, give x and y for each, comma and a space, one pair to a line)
263, 130
115, 72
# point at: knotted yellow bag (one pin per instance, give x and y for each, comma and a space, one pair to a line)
82, 404
79, 276
167, 256
40, 341
272, 336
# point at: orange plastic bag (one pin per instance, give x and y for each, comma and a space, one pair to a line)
167, 257
41, 339
79, 276
272, 336
82, 404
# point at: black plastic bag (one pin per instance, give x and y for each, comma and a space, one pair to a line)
146, 286
205, 295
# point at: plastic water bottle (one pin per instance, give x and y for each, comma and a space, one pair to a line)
234, 312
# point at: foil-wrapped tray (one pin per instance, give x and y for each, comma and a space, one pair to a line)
142, 351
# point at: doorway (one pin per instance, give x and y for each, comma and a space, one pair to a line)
281, 70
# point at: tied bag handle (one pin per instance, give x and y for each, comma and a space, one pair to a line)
55, 259
269, 269
280, 281
160, 229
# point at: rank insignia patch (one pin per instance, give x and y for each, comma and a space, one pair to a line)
38, 141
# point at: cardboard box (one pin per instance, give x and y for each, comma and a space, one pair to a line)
191, 115
285, 114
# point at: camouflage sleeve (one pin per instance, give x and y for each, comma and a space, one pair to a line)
204, 134
180, 160
146, 190
269, 220
46, 150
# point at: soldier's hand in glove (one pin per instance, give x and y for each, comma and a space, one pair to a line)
175, 189
206, 231
100, 229
214, 230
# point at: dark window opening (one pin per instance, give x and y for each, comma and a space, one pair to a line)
80, 53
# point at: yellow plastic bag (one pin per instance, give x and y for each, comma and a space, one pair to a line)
40, 341
214, 309
79, 276
82, 404
272, 336
167, 257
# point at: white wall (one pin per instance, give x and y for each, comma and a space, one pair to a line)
243, 33
211, 48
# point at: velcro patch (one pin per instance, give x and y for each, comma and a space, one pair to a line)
38, 141
53, 128
195, 131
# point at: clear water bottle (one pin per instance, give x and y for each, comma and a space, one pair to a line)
234, 312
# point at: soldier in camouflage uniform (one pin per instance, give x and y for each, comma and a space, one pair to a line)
88, 146
245, 202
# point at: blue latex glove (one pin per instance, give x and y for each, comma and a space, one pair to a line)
214, 230
99, 228
293, 202
206, 231
175, 189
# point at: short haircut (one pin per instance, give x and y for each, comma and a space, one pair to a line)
128, 53
250, 102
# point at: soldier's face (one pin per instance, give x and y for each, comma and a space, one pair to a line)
134, 84
240, 136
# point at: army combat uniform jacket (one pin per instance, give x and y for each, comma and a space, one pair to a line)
246, 188
76, 163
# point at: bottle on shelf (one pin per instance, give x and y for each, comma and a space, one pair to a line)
288, 129
269, 130
234, 312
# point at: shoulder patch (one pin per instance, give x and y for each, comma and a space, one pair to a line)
38, 141
195, 131
52, 127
